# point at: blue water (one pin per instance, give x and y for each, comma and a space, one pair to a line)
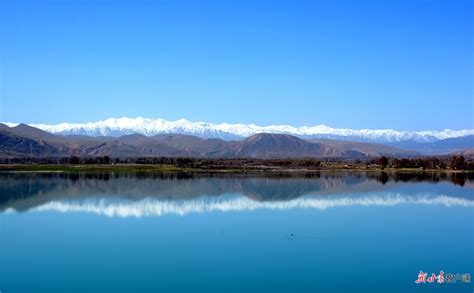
328, 233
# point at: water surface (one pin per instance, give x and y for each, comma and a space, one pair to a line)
338, 232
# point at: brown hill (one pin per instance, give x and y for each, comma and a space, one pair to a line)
368, 149
265, 145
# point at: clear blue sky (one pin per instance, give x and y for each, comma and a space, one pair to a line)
406, 65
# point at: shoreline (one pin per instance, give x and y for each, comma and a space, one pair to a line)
173, 168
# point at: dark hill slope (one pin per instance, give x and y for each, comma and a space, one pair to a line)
12, 145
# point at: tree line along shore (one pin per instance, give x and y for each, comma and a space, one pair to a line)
441, 163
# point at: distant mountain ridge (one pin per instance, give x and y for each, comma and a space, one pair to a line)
445, 146
26, 141
150, 127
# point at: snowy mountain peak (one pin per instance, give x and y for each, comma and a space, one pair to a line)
149, 127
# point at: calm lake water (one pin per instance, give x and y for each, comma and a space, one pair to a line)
327, 232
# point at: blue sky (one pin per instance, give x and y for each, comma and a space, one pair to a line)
406, 65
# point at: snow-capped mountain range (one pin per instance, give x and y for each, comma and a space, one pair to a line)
150, 127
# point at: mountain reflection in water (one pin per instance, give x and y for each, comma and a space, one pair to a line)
155, 194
